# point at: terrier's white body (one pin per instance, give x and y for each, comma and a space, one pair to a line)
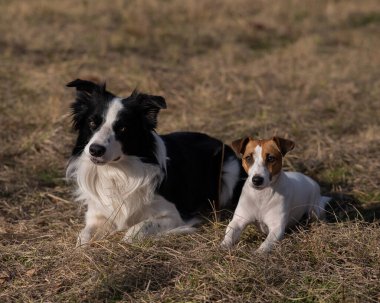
280, 201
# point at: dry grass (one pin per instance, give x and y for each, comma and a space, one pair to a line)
306, 70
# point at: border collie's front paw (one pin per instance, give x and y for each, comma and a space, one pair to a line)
128, 239
226, 244
137, 232
130, 236
134, 237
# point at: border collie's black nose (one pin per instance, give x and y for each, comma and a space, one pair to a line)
97, 150
257, 180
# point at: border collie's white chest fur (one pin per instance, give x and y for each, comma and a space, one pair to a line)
120, 192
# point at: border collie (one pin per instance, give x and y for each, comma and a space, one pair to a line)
131, 178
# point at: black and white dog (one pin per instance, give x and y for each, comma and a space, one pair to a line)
132, 179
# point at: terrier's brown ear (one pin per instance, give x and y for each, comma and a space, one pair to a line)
239, 145
284, 145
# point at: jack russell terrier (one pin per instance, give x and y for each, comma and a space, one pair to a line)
271, 198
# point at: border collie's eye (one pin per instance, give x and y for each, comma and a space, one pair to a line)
271, 158
122, 129
92, 124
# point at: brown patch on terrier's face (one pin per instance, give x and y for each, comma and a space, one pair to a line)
271, 157
245, 148
248, 158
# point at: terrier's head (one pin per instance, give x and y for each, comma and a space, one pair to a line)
262, 159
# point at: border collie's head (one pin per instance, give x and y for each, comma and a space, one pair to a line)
110, 128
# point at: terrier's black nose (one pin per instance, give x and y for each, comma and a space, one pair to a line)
97, 150
257, 180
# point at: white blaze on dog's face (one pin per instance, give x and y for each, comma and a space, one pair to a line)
103, 146
262, 159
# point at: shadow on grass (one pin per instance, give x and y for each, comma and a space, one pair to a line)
345, 207
126, 284
342, 207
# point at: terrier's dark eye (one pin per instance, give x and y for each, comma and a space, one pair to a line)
248, 159
270, 159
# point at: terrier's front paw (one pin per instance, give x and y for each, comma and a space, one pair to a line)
84, 238
264, 249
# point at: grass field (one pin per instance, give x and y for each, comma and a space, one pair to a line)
306, 70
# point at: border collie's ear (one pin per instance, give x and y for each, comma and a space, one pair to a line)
239, 145
152, 101
284, 145
85, 93
151, 105
86, 86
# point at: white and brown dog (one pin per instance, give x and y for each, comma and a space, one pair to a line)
271, 198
